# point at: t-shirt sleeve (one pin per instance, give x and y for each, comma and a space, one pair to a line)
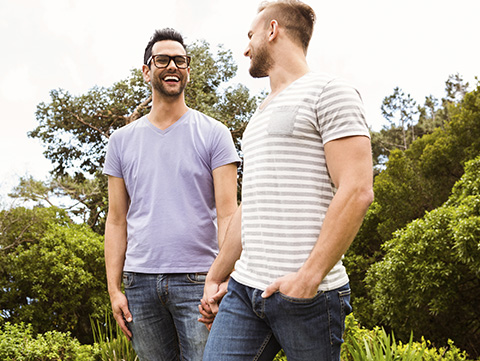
222, 150
340, 112
112, 164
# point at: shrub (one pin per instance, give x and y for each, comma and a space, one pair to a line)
18, 343
371, 345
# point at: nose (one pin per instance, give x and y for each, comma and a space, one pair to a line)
171, 64
247, 51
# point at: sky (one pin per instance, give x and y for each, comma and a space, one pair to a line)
376, 45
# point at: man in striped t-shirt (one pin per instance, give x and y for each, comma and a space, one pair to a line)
306, 187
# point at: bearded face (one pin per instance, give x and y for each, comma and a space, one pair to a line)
261, 61
170, 82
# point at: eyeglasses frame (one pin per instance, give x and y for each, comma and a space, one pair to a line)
152, 58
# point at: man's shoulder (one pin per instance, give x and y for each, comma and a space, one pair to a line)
128, 128
322, 80
204, 120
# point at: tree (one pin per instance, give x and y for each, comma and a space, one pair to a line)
52, 272
83, 198
75, 129
412, 182
429, 279
400, 111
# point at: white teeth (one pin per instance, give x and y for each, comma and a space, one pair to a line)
174, 78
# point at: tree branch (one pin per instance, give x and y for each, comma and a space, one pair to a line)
136, 113
88, 125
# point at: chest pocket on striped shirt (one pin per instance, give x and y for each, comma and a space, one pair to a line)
282, 121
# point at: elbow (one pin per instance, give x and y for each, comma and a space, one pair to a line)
366, 197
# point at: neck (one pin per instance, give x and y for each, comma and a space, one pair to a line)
166, 111
286, 72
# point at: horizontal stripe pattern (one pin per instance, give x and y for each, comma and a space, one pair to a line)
286, 186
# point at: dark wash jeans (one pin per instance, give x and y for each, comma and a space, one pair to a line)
165, 313
249, 327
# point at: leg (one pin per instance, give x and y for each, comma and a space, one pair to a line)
154, 335
184, 294
310, 329
239, 331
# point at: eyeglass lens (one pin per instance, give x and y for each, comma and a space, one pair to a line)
162, 61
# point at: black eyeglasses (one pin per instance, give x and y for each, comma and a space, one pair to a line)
162, 61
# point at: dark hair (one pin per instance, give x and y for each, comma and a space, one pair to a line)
295, 16
160, 35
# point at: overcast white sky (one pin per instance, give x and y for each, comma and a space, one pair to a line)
374, 44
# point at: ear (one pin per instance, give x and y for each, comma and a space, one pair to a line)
273, 30
146, 73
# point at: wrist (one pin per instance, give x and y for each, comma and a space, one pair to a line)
311, 279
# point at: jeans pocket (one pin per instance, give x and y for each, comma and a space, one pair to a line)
344, 297
127, 279
300, 301
196, 277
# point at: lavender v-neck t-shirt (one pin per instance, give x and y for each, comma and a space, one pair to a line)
171, 220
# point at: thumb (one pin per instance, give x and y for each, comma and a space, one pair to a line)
270, 290
127, 314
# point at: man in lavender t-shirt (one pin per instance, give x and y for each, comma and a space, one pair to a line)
172, 190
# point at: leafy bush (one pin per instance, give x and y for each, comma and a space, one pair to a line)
53, 274
371, 345
429, 280
18, 343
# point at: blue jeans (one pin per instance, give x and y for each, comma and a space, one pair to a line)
165, 313
248, 327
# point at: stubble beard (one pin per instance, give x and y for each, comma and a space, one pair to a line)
159, 86
261, 63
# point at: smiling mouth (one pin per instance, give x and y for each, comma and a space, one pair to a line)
171, 79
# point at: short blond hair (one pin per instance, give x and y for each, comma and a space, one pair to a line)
295, 16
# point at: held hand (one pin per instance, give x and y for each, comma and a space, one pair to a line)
291, 285
213, 294
121, 313
207, 314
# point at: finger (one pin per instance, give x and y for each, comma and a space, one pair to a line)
123, 326
204, 312
205, 320
126, 331
204, 304
270, 290
217, 297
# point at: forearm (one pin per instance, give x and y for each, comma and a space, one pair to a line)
225, 186
115, 248
230, 251
341, 224
222, 224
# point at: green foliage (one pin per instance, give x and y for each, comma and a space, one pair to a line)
364, 345
280, 356
18, 343
86, 202
430, 273
111, 342
400, 110
53, 274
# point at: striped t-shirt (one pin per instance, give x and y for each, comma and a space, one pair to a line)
286, 185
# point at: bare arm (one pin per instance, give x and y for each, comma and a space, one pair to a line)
218, 275
115, 248
225, 185
349, 162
